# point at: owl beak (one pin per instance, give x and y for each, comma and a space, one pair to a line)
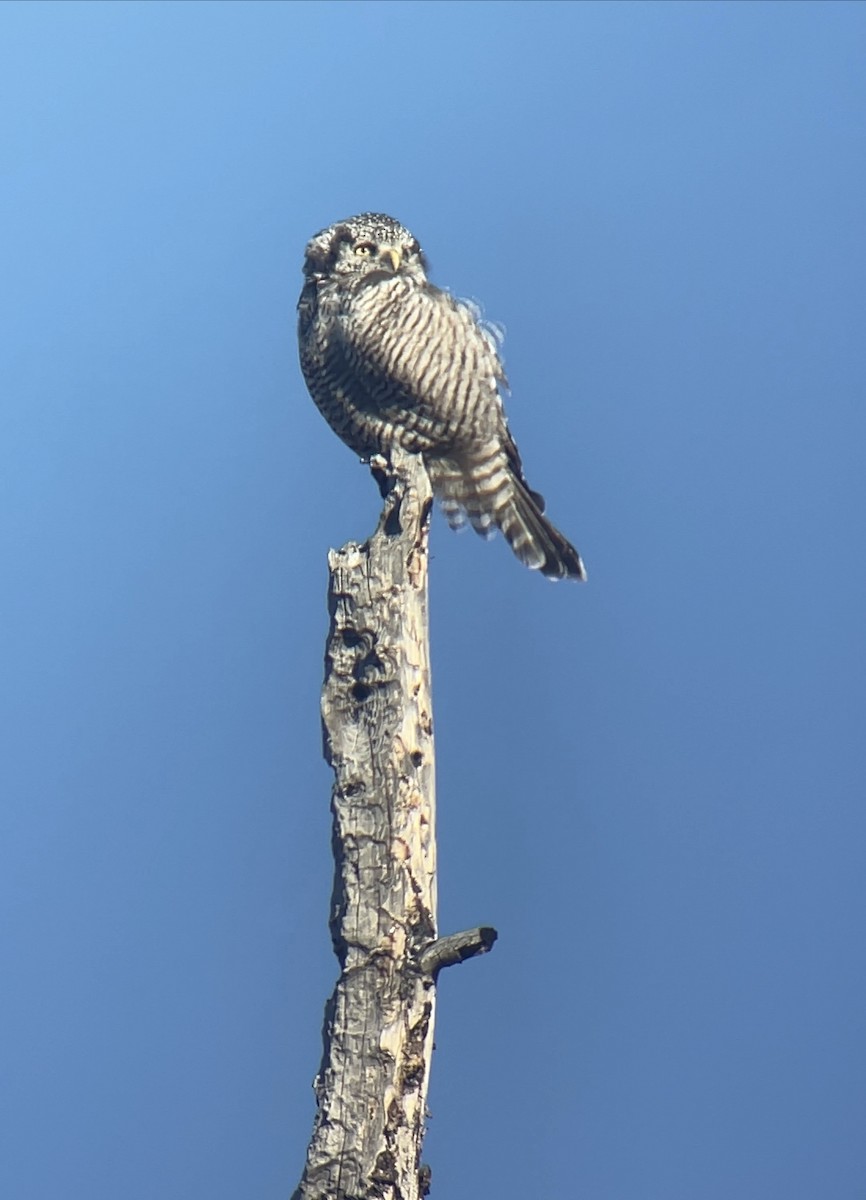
393, 255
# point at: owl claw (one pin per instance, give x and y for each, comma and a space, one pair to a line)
382, 472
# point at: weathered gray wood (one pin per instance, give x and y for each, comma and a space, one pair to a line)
456, 948
378, 729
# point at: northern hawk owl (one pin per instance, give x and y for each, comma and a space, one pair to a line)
392, 360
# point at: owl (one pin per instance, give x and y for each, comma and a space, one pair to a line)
392, 360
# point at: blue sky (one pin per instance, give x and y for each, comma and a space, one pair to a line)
652, 785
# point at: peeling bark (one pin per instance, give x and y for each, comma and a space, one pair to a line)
378, 737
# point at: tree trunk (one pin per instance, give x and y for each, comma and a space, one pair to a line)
378, 731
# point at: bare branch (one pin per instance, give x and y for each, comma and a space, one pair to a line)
456, 948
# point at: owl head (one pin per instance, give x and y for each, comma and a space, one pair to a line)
363, 245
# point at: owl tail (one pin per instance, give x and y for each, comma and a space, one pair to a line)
496, 496
533, 538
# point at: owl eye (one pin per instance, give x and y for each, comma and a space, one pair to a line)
365, 249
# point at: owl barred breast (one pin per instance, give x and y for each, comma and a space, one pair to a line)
392, 360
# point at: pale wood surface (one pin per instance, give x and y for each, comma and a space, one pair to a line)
378, 731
